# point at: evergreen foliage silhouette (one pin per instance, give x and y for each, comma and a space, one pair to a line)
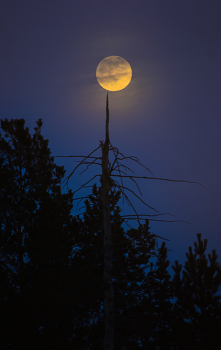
51, 265
198, 308
35, 222
139, 274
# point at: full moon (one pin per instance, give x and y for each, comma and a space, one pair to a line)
114, 73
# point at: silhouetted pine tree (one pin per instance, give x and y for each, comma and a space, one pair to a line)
35, 240
198, 308
155, 309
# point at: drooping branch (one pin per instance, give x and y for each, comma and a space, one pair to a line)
158, 178
90, 164
121, 171
81, 163
133, 158
158, 220
74, 156
128, 189
85, 183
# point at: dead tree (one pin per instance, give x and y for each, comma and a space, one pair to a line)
108, 247
115, 172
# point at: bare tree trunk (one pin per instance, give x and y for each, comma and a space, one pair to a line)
20, 235
108, 248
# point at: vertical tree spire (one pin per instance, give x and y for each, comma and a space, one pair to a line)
107, 140
108, 248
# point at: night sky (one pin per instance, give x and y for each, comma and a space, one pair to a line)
168, 116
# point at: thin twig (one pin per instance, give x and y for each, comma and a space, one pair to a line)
85, 184
89, 164
72, 157
125, 216
159, 178
89, 155
158, 220
128, 189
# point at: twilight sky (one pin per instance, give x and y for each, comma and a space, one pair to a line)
168, 116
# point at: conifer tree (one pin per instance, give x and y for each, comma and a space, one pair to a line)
51, 264
35, 240
198, 308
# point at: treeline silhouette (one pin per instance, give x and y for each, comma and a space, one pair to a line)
51, 266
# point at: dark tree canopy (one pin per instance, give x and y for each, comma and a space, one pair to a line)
198, 308
51, 265
139, 276
35, 222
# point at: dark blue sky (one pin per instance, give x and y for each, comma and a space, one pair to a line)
168, 116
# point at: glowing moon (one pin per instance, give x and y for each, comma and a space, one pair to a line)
114, 73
